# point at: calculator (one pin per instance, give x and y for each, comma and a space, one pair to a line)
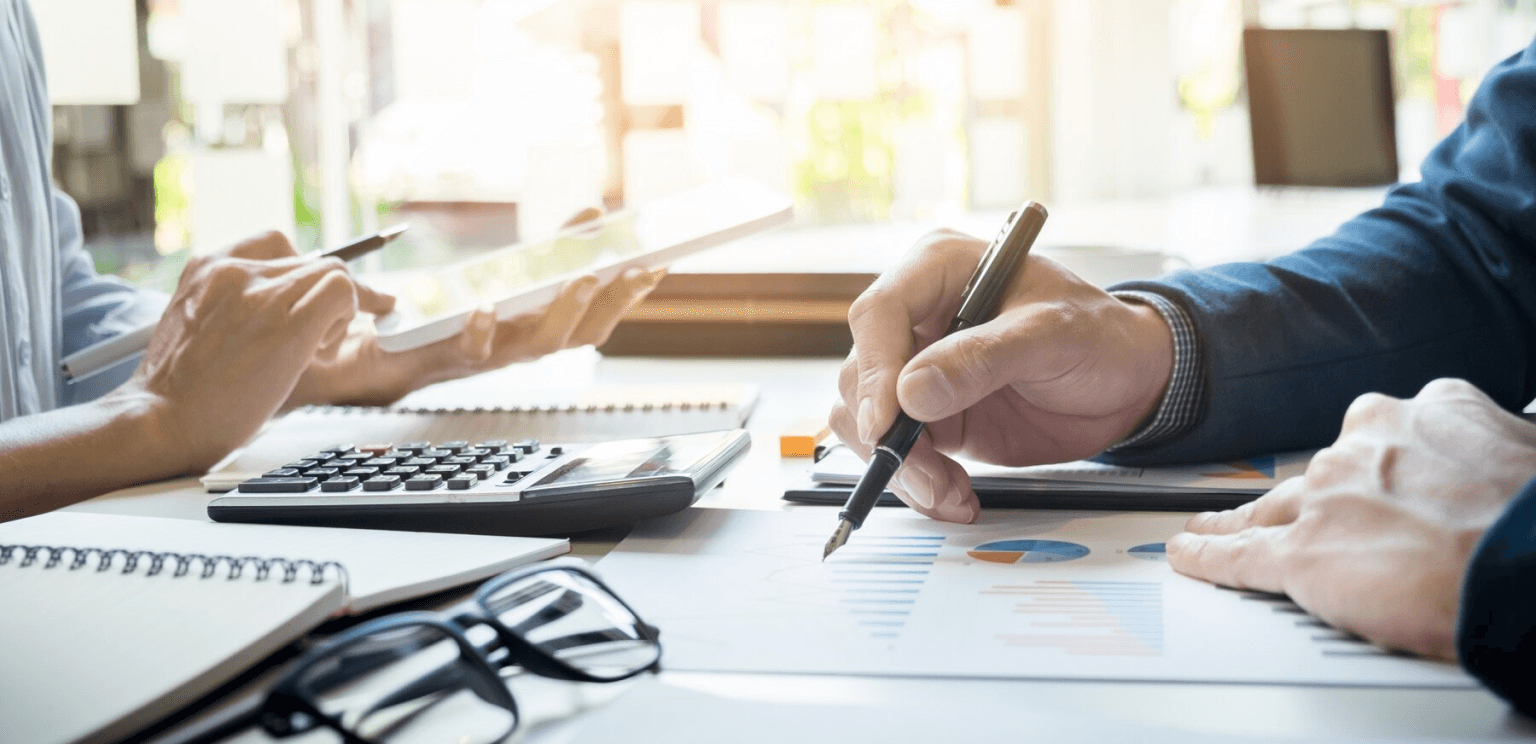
524, 487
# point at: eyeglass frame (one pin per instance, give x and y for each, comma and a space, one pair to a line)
285, 699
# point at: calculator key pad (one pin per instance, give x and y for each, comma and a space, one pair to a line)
405, 468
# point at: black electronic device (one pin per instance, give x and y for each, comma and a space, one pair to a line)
492, 487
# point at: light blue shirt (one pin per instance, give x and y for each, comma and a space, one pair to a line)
52, 302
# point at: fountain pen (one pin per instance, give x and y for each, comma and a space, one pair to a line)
978, 304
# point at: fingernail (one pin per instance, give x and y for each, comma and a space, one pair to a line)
587, 288
867, 421
929, 393
918, 485
632, 273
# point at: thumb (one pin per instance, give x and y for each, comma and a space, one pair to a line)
370, 300
957, 371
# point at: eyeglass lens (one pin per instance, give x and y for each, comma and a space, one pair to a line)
567, 615
409, 685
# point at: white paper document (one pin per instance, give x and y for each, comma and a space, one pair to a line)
1254, 475
1020, 594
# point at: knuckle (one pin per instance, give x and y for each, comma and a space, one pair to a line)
871, 303
1449, 387
1370, 407
848, 378
273, 237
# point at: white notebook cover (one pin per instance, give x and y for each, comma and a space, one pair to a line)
93, 655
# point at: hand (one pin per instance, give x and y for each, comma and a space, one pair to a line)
355, 370
1064, 371
240, 329
1375, 537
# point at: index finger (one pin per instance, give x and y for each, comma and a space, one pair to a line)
883, 319
1249, 559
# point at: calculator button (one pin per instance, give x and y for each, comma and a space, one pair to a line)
321, 473
302, 464
343, 483
499, 462
461, 461
461, 483
403, 471
552, 454
340, 449
356, 456
556, 451
476, 452
361, 472
399, 454
481, 471
512, 455
423, 482
444, 471
436, 454
376, 449
494, 445
455, 446
419, 462
380, 462
414, 446
277, 485
381, 483
514, 476
281, 473
528, 446
337, 463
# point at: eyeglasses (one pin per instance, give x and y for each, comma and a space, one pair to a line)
432, 677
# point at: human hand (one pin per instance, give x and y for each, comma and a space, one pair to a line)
239, 330
355, 370
1062, 372
1375, 537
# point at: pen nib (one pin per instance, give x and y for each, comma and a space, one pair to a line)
839, 538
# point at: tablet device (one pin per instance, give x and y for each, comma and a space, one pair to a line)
434, 304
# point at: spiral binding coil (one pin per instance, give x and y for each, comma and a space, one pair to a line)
180, 564
646, 406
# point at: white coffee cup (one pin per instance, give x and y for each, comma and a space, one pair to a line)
1103, 265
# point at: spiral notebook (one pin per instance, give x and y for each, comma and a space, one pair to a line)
597, 414
111, 622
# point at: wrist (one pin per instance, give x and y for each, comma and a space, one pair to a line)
155, 440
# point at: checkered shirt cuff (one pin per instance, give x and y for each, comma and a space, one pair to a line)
1181, 402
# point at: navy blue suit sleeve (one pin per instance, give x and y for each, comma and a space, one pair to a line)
1496, 633
1439, 281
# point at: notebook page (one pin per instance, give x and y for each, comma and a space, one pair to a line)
92, 656
383, 567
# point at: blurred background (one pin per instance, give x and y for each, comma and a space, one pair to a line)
182, 125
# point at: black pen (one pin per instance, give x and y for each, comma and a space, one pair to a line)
978, 303
364, 246
104, 354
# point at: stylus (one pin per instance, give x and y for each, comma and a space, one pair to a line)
978, 303
100, 356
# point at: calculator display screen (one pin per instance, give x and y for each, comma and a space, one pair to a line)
638, 458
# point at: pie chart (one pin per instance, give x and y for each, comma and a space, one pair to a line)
1149, 552
1028, 551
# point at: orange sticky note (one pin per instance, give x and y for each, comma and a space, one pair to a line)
799, 440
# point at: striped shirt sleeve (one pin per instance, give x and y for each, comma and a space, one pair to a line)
1180, 407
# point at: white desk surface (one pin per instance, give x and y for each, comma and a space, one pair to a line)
795, 388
